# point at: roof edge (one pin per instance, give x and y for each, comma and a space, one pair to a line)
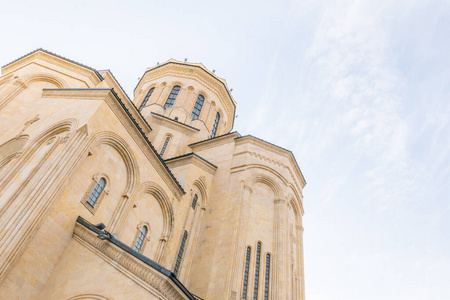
280, 148
151, 263
137, 126
99, 76
191, 154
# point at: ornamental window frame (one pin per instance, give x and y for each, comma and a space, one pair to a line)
246, 277
267, 276
256, 275
180, 253
172, 96
145, 239
147, 97
195, 114
215, 125
165, 145
194, 201
105, 191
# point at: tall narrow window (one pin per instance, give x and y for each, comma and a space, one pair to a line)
266, 281
140, 239
144, 103
180, 253
173, 95
198, 107
247, 265
194, 201
258, 258
96, 192
166, 142
216, 124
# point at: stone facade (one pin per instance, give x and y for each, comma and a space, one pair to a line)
190, 209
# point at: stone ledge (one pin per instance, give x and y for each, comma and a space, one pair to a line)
132, 263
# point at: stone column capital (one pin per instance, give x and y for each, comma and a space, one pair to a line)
248, 188
279, 201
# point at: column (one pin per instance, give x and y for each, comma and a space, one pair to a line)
28, 205
279, 279
236, 271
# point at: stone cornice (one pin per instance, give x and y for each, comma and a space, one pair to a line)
52, 58
113, 82
130, 125
276, 149
174, 124
214, 142
191, 158
132, 264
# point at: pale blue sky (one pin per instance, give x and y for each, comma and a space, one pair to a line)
358, 90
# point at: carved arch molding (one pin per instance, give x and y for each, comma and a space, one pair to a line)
89, 297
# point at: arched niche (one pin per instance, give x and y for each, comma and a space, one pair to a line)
11, 149
151, 204
107, 153
265, 189
88, 297
270, 181
36, 151
117, 143
200, 186
45, 77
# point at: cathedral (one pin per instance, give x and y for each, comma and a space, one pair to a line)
103, 196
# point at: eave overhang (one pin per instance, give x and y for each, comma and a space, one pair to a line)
147, 270
275, 148
92, 73
194, 159
216, 141
178, 123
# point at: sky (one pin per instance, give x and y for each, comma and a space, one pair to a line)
357, 90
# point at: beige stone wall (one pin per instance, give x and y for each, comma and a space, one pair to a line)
98, 154
82, 270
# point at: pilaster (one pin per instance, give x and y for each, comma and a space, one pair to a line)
279, 278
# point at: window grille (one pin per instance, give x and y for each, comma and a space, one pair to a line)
216, 124
173, 95
140, 239
247, 265
164, 146
258, 257
198, 107
96, 192
194, 201
266, 282
180, 253
144, 103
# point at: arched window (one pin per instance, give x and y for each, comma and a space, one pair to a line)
180, 253
173, 95
164, 147
96, 192
258, 258
198, 107
247, 265
194, 201
144, 103
216, 124
140, 239
266, 281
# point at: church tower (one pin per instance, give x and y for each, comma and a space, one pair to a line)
184, 103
